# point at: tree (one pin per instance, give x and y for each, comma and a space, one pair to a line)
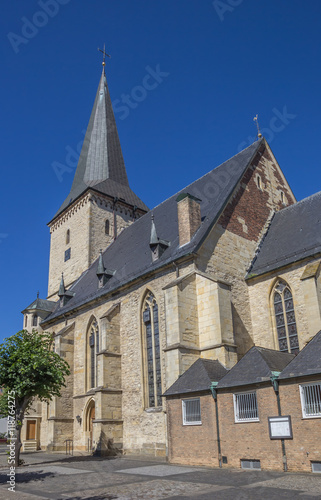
29, 369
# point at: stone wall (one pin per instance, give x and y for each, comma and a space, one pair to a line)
306, 305
85, 220
230, 247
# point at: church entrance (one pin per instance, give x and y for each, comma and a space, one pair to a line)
90, 418
31, 429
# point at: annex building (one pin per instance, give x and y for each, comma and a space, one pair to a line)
137, 296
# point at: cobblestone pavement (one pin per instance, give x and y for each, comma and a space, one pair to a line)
57, 477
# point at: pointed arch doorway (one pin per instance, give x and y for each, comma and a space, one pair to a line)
90, 417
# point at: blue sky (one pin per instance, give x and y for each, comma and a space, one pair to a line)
220, 63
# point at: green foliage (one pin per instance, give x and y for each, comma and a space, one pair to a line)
30, 368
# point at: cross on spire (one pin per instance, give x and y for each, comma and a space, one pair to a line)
104, 54
255, 119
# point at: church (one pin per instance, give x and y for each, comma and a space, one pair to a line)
137, 296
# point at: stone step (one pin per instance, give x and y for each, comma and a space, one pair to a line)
30, 445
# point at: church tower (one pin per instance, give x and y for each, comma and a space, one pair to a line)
100, 203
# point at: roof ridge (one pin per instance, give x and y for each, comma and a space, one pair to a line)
207, 173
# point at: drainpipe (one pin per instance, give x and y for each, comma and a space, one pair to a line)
275, 383
214, 394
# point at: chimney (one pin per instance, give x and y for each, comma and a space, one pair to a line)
189, 217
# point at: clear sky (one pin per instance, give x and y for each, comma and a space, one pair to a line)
217, 64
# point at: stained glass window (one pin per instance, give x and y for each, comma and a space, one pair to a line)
285, 318
152, 352
93, 341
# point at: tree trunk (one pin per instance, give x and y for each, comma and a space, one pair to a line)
15, 432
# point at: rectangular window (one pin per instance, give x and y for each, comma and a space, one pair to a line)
316, 467
251, 464
245, 407
67, 254
311, 400
191, 411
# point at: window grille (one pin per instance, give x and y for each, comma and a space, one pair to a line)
152, 368
251, 464
285, 318
311, 400
191, 411
245, 407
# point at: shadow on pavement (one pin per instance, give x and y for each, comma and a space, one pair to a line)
26, 477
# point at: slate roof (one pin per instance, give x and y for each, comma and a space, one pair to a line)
255, 367
198, 377
307, 362
101, 164
130, 254
294, 234
41, 305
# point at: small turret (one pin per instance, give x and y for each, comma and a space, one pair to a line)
157, 245
63, 294
103, 274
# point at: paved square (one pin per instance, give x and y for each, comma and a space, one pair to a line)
159, 470
54, 469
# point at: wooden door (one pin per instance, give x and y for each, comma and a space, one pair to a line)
31, 429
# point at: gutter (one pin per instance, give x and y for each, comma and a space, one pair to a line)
119, 287
214, 394
275, 383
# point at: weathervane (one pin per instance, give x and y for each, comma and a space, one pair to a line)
255, 119
105, 54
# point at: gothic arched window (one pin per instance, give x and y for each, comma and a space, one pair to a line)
285, 318
34, 320
26, 320
93, 349
151, 355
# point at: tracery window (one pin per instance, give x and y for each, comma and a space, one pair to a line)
285, 318
152, 361
93, 342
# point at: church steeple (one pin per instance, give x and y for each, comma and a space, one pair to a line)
101, 164
100, 203
101, 156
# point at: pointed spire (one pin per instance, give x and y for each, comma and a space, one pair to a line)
153, 233
101, 164
62, 289
101, 267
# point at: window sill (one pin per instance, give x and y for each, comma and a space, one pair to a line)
310, 418
157, 409
247, 421
192, 423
